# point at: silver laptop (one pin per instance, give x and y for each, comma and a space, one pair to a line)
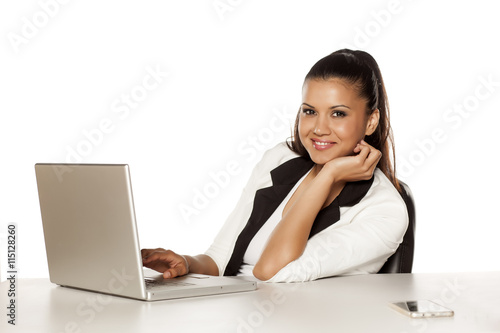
91, 236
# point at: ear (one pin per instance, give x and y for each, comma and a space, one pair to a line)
372, 123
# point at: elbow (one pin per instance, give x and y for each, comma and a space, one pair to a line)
266, 268
263, 271
269, 265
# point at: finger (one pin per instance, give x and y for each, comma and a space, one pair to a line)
374, 154
372, 161
370, 157
153, 256
364, 143
170, 273
360, 145
148, 252
178, 270
363, 152
145, 252
157, 263
158, 251
357, 149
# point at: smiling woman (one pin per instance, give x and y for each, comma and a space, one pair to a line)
352, 79
326, 203
333, 120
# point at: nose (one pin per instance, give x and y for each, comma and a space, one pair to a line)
321, 126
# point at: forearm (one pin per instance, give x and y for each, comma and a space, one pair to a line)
289, 238
202, 264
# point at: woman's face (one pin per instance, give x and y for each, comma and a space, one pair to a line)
333, 119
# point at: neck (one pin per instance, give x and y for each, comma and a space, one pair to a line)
316, 169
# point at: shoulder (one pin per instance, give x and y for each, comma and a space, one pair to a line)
384, 197
382, 210
271, 159
275, 157
382, 184
278, 155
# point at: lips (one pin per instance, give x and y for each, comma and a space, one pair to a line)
322, 144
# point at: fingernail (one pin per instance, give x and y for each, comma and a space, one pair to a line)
167, 275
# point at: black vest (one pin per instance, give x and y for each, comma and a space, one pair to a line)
267, 200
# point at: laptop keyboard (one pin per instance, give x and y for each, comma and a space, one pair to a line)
163, 284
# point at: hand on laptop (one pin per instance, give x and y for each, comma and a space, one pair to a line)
172, 264
164, 261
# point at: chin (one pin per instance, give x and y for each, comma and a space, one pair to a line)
321, 160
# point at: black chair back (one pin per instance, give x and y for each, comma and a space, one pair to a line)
402, 260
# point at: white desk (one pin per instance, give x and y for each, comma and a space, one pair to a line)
340, 304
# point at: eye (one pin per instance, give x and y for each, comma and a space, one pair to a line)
338, 114
308, 112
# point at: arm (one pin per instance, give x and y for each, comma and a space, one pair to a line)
359, 243
172, 264
202, 264
213, 262
222, 247
290, 237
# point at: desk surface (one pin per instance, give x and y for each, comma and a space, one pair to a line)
340, 304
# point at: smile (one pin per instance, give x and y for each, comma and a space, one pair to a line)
322, 145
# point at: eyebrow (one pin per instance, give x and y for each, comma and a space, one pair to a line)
331, 107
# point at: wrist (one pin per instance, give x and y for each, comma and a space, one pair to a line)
187, 260
327, 174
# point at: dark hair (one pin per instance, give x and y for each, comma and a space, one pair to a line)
361, 70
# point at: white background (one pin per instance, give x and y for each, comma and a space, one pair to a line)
235, 70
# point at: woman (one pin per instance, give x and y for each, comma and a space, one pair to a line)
325, 204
